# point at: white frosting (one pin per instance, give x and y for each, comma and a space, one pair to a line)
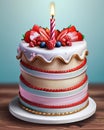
65, 53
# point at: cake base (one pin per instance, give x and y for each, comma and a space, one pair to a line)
20, 113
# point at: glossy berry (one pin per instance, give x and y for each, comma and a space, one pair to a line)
42, 44
50, 44
71, 29
69, 43
57, 32
27, 36
58, 44
80, 36
35, 28
31, 44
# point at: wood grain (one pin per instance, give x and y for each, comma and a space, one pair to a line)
8, 122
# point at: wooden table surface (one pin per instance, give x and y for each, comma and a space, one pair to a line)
8, 122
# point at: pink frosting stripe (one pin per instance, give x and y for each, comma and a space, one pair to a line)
53, 101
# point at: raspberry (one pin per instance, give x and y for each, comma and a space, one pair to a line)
69, 43
31, 44
50, 44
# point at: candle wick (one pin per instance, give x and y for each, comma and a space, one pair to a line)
52, 16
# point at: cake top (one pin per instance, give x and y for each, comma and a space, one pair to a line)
39, 36
67, 43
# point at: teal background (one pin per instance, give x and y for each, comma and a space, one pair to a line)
17, 16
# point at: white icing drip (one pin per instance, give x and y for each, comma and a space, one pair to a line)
66, 53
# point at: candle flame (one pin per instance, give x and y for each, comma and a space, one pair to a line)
52, 9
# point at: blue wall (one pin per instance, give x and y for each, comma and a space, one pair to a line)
17, 16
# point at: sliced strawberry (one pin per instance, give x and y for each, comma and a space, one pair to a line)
40, 38
72, 29
27, 36
44, 34
62, 34
72, 36
80, 36
47, 31
57, 32
34, 35
35, 28
75, 36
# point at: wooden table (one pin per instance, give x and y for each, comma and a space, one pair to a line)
8, 122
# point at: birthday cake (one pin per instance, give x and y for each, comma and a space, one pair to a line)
53, 80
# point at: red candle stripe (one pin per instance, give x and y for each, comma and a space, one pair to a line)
52, 28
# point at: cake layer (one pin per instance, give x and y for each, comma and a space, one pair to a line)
55, 106
76, 65
52, 84
54, 74
54, 92
47, 100
70, 108
56, 66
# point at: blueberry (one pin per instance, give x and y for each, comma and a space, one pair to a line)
58, 44
42, 44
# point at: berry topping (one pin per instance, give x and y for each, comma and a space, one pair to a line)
35, 28
39, 36
31, 44
80, 36
62, 34
72, 29
50, 44
58, 44
42, 44
27, 36
57, 32
69, 43
44, 34
47, 31
34, 35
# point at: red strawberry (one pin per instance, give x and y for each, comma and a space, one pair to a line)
50, 44
43, 34
63, 41
72, 36
31, 44
62, 34
57, 32
80, 36
27, 36
47, 31
35, 28
72, 29
75, 36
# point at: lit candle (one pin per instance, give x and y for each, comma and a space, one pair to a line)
52, 22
